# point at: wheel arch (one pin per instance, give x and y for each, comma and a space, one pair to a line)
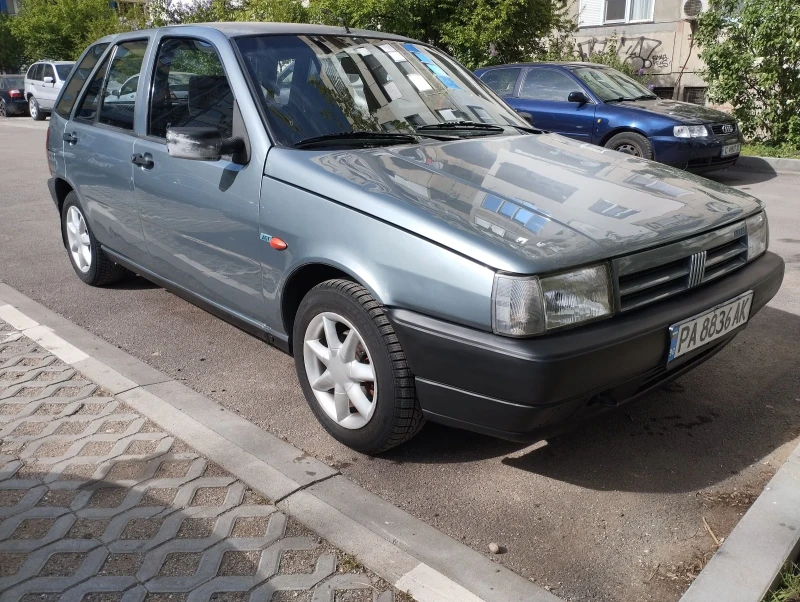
305, 277
622, 130
62, 188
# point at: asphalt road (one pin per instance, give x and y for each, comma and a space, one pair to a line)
610, 512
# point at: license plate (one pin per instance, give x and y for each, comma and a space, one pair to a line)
731, 149
708, 326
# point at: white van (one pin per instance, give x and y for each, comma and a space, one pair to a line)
43, 81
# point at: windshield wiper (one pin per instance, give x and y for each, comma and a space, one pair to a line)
363, 137
529, 130
645, 97
460, 125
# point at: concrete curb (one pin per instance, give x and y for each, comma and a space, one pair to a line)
410, 554
748, 563
767, 165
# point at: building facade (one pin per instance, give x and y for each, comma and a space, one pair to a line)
10, 7
654, 36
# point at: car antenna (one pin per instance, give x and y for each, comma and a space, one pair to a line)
339, 18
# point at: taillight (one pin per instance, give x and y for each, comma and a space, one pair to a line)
47, 151
15, 94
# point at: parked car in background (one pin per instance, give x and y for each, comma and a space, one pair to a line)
599, 105
12, 95
418, 248
43, 82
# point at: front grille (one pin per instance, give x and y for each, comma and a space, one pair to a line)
724, 129
653, 275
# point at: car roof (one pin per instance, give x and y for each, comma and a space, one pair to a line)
54, 62
566, 64
237, 29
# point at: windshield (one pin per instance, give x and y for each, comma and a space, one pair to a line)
326, 85
63, 71
609, 84
13, 82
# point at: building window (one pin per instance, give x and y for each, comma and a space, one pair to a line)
695, 96
664, 91
602, 207
627, 11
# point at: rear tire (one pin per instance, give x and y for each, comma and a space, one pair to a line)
34, 109
3, 110
395, 416
631, 143
87, 258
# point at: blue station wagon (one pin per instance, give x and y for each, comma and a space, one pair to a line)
362, 202
599, 105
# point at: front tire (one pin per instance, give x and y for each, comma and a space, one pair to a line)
3, 110
631, 143
87, 258
34, 109
352, 369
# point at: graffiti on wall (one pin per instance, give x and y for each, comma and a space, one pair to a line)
641, 52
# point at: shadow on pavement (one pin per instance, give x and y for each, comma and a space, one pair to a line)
134, 283
713, 422
740, 177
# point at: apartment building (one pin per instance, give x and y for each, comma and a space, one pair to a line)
10, 7
652, 35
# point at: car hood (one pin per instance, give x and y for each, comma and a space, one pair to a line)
685, 112
523, 204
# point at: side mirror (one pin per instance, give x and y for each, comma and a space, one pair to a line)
578, 97
48, 80
202, 144
526, 116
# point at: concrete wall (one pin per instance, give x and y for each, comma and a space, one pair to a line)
661, 47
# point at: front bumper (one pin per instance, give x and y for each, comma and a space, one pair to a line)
527, 389
694, 154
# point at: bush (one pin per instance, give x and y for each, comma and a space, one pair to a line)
751, 49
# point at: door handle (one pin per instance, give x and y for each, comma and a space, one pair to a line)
145, 161
71, 138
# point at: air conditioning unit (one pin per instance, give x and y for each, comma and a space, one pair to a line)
692, 9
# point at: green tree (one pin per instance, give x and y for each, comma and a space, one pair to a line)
10, 56
751, 49
476, 32
61, 29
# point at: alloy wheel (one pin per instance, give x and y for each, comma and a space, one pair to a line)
32, 107
340, 370
78, 238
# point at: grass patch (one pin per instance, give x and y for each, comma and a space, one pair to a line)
788, 589
757, 149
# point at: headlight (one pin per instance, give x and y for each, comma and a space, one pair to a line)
524, 306
757, 235
690, 131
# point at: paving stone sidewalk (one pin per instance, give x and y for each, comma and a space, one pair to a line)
99, 504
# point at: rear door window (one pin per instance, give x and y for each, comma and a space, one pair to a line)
501, 81
547, 84
73, 87
87, 109
116, 108
37, 72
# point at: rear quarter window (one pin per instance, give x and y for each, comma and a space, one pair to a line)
78, 77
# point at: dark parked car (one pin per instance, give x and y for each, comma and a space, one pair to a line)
12, 95
600, 105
